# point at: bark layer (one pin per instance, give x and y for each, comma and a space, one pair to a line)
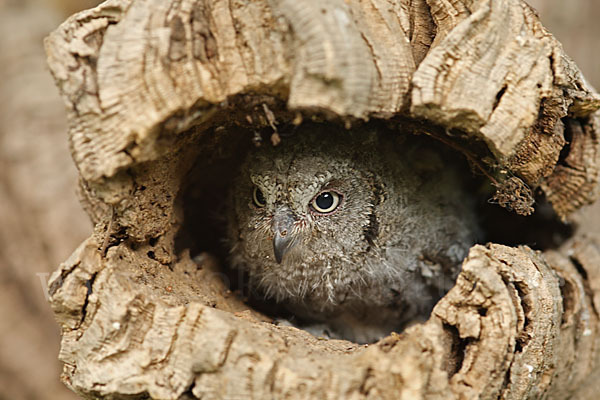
151, 87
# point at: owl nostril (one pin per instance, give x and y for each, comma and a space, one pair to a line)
282, 226
282, 221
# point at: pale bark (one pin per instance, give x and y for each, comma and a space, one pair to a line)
151, 86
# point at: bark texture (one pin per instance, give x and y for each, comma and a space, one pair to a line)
151, 86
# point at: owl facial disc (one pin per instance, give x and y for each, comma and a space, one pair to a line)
283, 232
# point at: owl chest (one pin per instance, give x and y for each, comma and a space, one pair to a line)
323, 282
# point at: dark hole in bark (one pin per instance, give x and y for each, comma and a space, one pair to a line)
204, 197
457, 348
220, 152
204, 200
542, 230
568, 135
499, 97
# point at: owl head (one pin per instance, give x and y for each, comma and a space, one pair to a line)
305, 206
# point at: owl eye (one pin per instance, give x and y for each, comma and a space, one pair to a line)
258, 198
326, 202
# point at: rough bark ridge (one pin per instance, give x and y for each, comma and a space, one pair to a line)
146, 82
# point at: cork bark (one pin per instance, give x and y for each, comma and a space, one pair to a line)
154, 86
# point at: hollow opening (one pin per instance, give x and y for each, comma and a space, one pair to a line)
457, 347
204, 204
543, 230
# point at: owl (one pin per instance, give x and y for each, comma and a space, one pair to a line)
357, 233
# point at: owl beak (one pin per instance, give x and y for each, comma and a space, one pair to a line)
283, 235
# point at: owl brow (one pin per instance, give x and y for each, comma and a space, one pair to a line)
332, 184
260, 180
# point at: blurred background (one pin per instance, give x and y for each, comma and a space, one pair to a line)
575, 23
41, 222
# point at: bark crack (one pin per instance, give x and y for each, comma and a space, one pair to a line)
228, 343
89, 284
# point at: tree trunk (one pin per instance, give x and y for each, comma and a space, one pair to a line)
157, 91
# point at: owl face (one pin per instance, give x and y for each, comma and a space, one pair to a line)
289, 210
302, 205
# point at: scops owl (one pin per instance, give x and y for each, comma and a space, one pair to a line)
355, 232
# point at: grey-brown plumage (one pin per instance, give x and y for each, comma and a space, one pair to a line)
355, 232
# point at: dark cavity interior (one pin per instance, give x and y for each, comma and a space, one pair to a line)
204, 200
